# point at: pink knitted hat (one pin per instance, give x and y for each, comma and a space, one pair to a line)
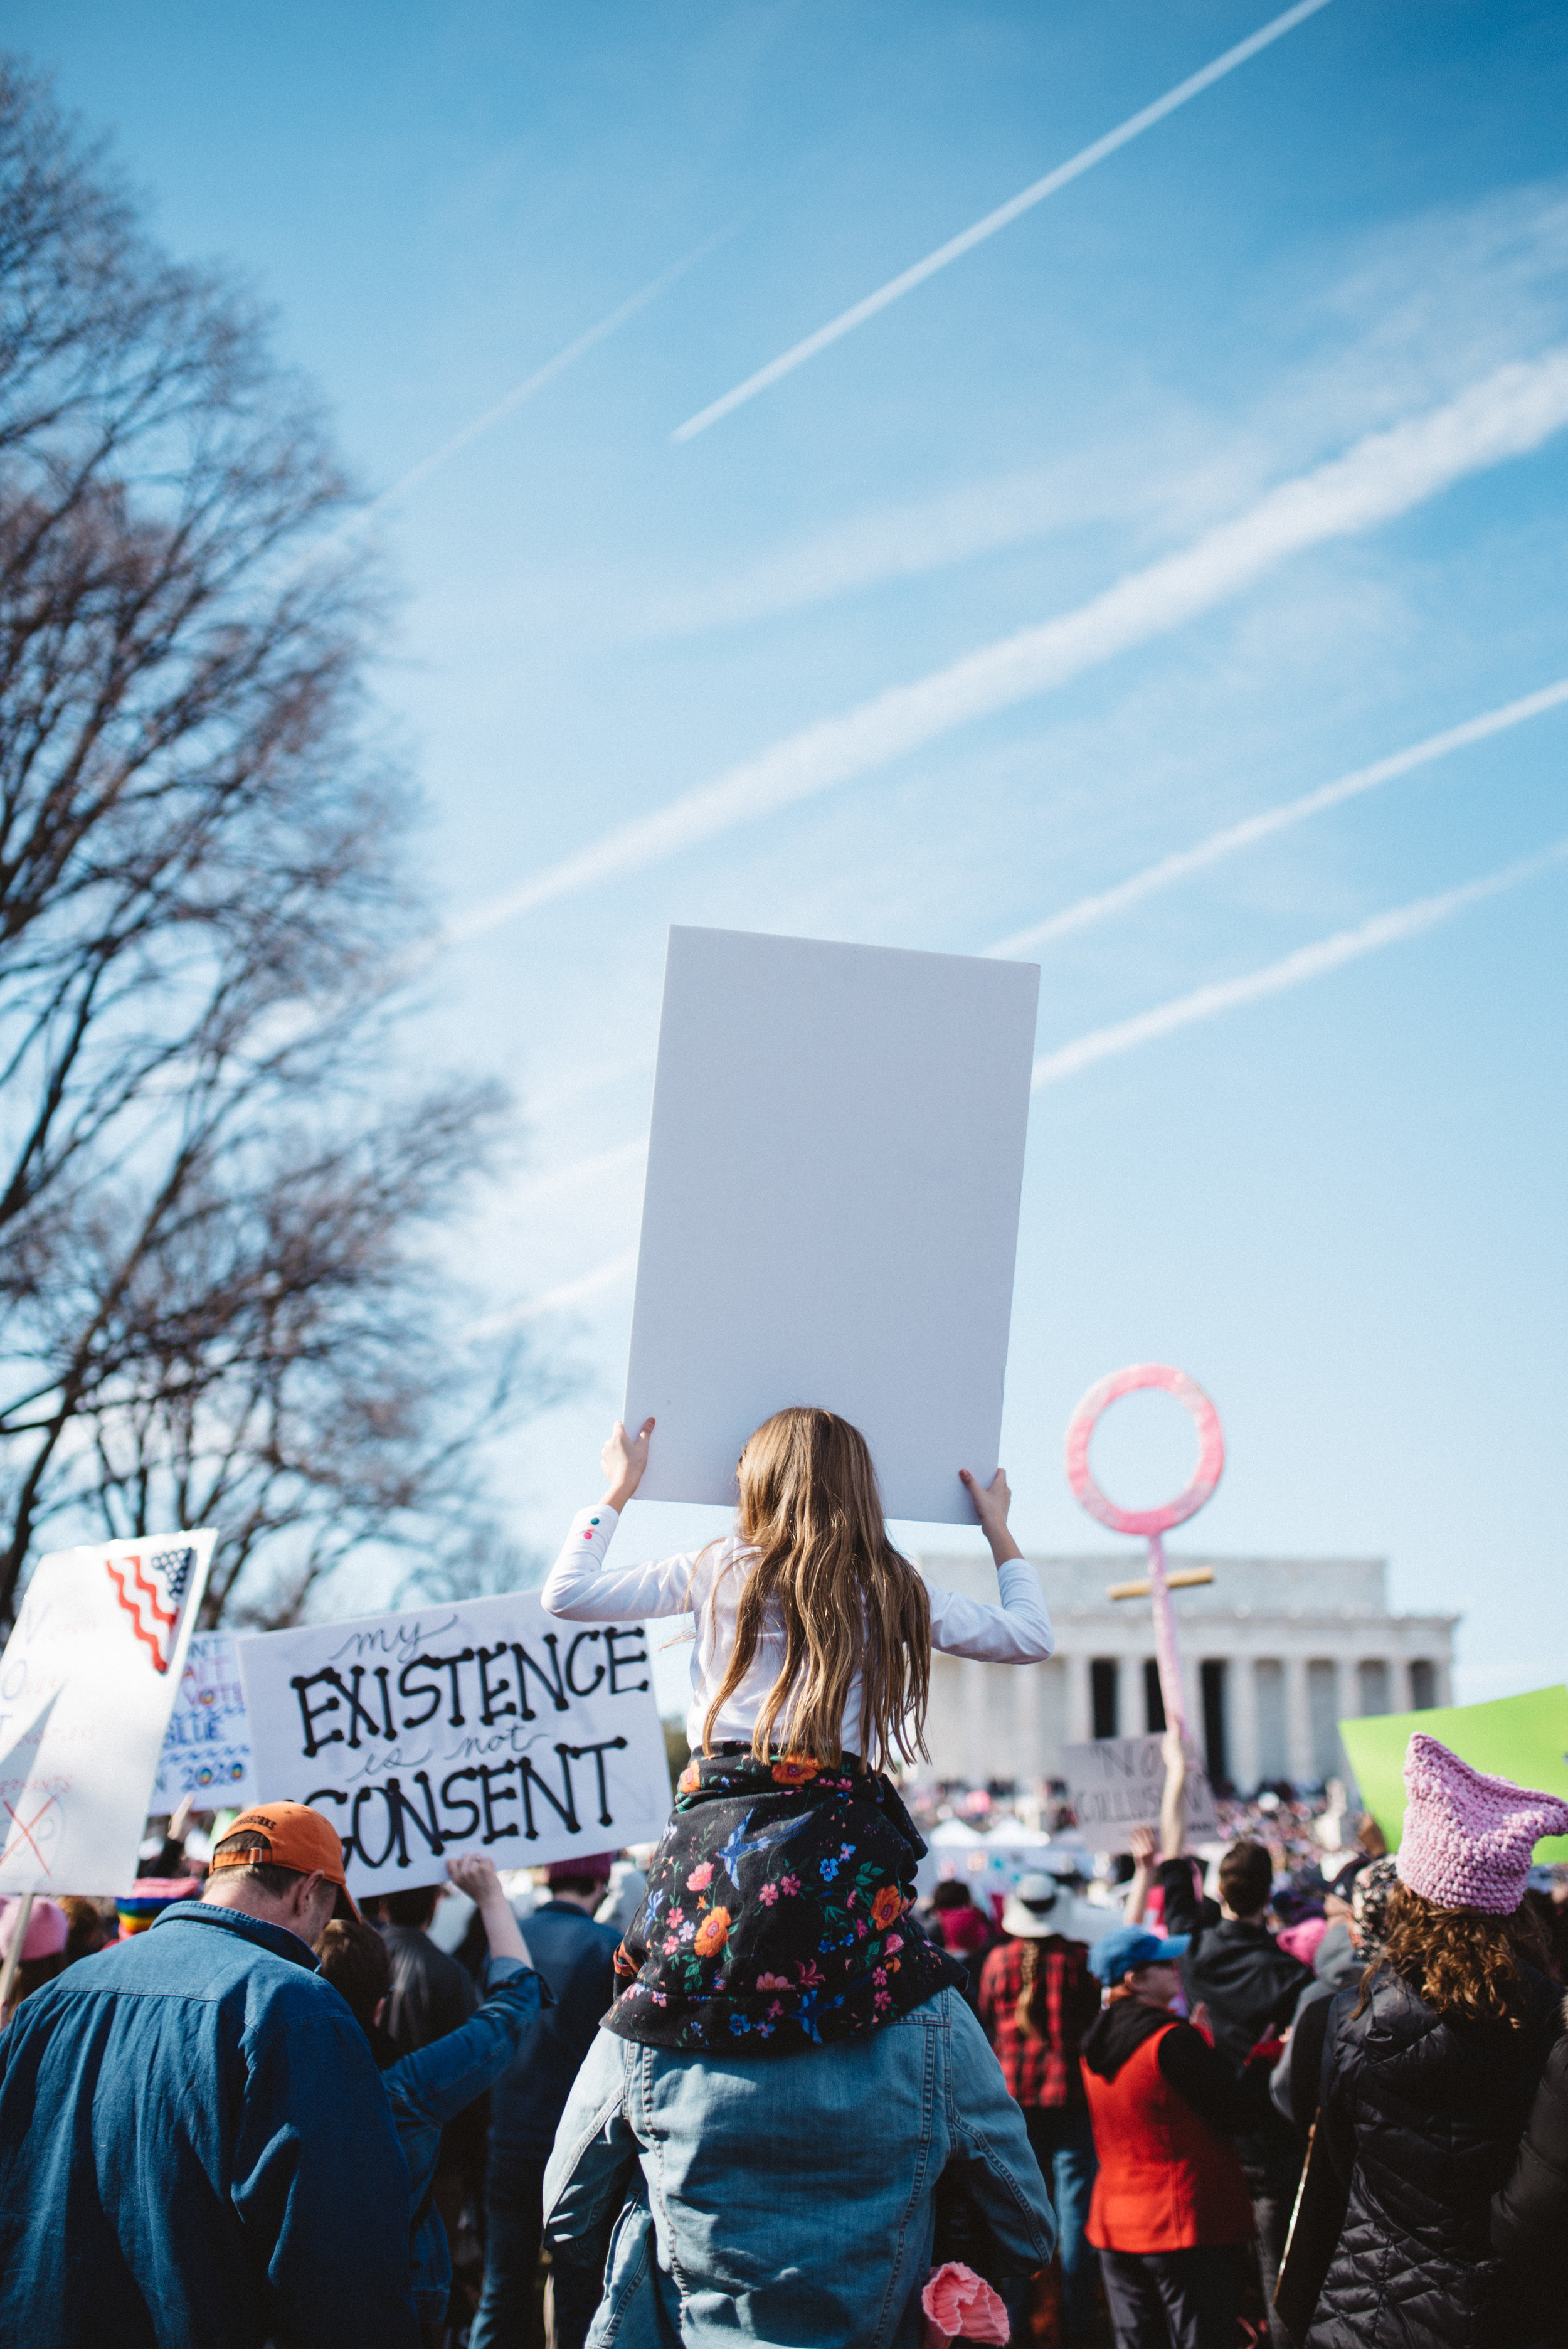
1468, 1838
47, 1929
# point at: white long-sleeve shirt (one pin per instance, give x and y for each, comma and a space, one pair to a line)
583, 1589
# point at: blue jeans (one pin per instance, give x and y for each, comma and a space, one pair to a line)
1063, 2143
507, 2315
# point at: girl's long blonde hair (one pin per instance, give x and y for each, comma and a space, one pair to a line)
811, 1510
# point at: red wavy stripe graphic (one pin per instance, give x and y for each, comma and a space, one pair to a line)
149, 1592
160, 1660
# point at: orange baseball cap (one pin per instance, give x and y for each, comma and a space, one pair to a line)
296, 1837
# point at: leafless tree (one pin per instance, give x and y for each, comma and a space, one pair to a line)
219, 1239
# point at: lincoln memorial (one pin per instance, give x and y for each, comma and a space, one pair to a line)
1276, 1653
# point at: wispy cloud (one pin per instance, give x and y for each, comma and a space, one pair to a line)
572, 1083
1387, 473
489, 418
1292, 970
561, 1298
965, 242
1247, 833
1159, 483
619, 1160
1422, 307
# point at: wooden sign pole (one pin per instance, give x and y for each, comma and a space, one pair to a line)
13, 1958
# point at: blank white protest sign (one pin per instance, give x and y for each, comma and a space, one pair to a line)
830, 1212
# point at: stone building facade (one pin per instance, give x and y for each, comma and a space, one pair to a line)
1276, 1653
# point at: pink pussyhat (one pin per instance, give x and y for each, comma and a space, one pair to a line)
961, 2306
1468, 1838
47, 1929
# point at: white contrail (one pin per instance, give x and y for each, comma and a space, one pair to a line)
547, 373
1292, 970
1135, 125
1385, 474
561, 1298
580, 1171
1172, 869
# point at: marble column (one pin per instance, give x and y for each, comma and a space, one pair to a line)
1346, 1707
1241, 1728
1027, 1695
1080, 1700
1297, 1723
977, 1721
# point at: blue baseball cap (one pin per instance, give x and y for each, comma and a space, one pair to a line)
1131, 1946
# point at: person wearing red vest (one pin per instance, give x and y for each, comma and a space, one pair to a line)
1171, 2213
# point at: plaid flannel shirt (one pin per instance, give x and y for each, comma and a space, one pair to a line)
1042, 2071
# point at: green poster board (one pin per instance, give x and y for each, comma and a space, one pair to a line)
1524, 1738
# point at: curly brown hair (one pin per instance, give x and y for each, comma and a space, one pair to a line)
1465, 1964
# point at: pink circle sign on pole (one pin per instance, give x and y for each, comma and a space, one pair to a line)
1211, 1448
1150, 1523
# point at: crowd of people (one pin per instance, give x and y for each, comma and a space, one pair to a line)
770, 2097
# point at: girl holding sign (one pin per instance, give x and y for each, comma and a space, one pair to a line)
779, 1910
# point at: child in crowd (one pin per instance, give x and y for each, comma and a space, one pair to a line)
779, 1910
430, 2087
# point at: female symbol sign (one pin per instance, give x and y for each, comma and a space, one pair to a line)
1210, 1449
1152, 1522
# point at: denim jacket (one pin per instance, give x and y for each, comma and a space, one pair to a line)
431, 2087
195, 2147
788, 2200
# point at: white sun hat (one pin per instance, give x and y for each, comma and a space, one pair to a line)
1030, 1910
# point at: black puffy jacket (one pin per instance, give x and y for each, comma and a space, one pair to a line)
1530, 2210
1422, 2120
1250, 1986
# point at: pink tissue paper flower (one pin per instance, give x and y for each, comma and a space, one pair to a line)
961, 2305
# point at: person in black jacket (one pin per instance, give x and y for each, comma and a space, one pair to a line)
1343, 1956
1429, 2071
1236, 1969
431, 1992
1530, 2210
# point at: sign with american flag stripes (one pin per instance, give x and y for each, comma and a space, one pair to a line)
87, 1683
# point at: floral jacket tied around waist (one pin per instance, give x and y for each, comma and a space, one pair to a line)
779, 1912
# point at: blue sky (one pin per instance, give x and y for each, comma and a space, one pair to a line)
1345, 268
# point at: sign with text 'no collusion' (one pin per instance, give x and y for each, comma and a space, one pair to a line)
1117, 1783
486, 1725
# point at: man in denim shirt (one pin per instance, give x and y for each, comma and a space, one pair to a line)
194, 2144
792, 2199
576, 1959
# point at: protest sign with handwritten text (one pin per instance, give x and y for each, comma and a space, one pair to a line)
1117, 1784
486, 1725
207, 1750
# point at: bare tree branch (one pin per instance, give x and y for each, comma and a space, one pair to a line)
222, 1294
